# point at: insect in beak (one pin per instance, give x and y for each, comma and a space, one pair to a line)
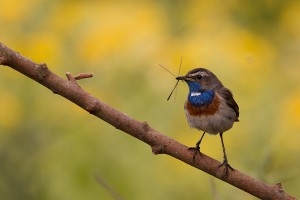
173, 90
178, 78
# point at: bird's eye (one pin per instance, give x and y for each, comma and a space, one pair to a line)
198, 77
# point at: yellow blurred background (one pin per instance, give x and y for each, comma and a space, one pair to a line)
51, 149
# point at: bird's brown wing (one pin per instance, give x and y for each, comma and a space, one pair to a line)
228, 96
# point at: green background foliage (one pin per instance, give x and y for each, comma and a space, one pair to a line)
51, 149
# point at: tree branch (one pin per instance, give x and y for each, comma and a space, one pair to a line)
159, 143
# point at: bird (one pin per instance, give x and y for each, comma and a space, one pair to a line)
210, 107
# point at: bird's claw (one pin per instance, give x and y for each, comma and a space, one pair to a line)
227, 166
196, 151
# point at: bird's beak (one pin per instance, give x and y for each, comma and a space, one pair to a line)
180, 78
184, 78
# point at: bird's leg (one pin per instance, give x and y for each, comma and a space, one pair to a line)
196, 149
225, 161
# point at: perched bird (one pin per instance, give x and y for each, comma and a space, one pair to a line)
210, 107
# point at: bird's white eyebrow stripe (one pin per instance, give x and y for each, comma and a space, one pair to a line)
199, 73
195, 94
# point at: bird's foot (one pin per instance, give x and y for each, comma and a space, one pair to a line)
227, 166
196, 150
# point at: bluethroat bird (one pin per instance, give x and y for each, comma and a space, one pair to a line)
210, 107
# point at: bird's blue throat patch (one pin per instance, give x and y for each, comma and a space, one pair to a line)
198, 96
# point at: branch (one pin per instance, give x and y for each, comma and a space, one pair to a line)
159, 143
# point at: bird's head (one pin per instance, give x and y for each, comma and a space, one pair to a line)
201, 79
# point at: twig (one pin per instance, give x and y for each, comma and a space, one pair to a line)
115, 195
84, 75
159, 143
215, 194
